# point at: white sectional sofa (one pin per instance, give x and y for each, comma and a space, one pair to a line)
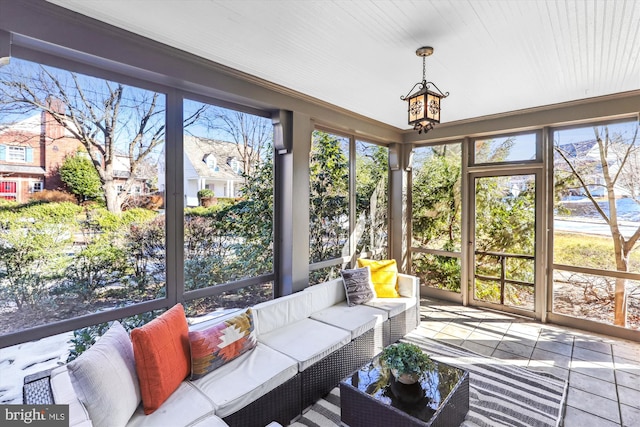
306, 343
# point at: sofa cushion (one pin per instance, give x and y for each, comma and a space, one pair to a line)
393, 306
277, 313
326, 294
64, 394
221, 343
408, 286
184, 407
245, 379
161, 349
384, 275
104, 378
210, 421
357, 320
357, 285
307, 341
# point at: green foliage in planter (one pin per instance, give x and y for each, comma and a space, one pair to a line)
406, 358
204, 193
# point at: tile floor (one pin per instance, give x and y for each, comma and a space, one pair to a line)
603, 372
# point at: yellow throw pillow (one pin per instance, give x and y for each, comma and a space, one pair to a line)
384, 275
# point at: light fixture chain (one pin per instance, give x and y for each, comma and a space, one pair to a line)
424, 68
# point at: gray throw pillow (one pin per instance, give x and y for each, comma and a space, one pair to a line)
104, 378
358, 285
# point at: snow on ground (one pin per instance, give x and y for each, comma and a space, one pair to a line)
21, 360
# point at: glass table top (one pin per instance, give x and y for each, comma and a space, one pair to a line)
420, 400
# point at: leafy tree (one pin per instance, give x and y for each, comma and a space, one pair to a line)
329, 193
436, 215
436, 199
80, 177
371, 197
253, 220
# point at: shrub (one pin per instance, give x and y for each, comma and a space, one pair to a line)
32, 241
97, 265
145, 249
53, 196
81, 177
86, 337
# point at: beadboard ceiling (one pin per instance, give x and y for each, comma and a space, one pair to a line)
492, 56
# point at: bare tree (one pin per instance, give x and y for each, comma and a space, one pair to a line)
250, 133
618, 166
109, 119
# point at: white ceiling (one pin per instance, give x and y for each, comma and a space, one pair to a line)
492, 56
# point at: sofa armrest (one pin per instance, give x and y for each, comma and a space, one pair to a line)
37, 389
408, 286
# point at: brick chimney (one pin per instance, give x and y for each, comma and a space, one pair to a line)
54, 144
50, 128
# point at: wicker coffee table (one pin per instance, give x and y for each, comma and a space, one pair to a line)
372, 397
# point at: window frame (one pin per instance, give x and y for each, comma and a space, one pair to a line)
16, 154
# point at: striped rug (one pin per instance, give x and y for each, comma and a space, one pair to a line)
500, 394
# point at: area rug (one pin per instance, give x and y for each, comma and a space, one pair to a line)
500, 394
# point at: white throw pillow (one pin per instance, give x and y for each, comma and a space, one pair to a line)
104, 378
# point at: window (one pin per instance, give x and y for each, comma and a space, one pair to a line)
596, 263
372, 172
436, 215
211, 162
328, 203
81, 260
235, 165
512, 148
36, 187
231, 240
7, 187
16, 154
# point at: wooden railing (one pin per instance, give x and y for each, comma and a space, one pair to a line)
502, 259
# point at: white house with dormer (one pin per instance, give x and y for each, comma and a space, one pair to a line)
209, 163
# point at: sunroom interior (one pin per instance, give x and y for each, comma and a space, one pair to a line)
528, 84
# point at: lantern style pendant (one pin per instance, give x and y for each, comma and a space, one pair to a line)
424, 104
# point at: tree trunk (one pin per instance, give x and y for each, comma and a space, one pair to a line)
620, 301
622, 264
111, 197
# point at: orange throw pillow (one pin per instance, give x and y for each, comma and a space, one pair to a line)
384, 275
163, 360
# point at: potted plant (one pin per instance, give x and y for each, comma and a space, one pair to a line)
206, 197
407, 362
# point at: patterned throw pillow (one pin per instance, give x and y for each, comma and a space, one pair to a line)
384, 275
357, 286
221, 343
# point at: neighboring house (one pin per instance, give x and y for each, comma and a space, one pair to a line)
31, 152
211, 164
587, 153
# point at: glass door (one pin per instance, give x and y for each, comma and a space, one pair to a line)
503, 241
